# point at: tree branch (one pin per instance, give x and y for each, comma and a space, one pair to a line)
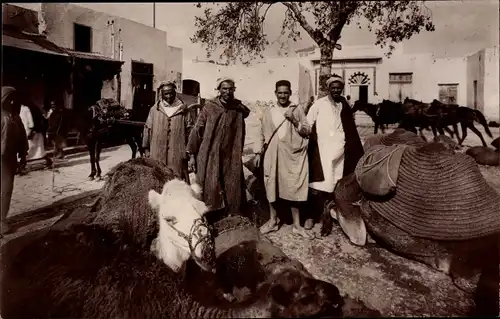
316, 36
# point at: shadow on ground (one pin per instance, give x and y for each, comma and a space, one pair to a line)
382, 280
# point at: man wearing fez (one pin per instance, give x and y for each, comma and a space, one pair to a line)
334, 146
215, 150
286, 170
167, 129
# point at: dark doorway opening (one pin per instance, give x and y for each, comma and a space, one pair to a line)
191, 87
83, 38
363, 93
142, 86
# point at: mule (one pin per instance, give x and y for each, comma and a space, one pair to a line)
416, 114
452, 114
387, 112
97, 125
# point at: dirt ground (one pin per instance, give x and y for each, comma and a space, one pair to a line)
382, 280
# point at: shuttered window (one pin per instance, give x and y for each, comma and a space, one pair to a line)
400, 77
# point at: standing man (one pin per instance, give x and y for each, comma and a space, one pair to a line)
33, 122
56, 129
286, 170
334, 147
167, 129
215, 149
14, 144
27, 120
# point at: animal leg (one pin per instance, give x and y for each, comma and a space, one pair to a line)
475, 130
138, 141
98, 158
433, 128
455, 129
376, 128
447, 129
133, 146
421, 131
464, 133
91, 148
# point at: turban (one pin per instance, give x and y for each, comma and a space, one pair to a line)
167, 83
334, 79
283, 83
222, 80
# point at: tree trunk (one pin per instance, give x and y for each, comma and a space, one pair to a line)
325, 70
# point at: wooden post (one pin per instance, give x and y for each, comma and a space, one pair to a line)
154, 15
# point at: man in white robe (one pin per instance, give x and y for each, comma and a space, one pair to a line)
336, 138
286, 171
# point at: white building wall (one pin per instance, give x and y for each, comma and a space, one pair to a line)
174, 66
427, 74
491, 84
141, 43
254, 83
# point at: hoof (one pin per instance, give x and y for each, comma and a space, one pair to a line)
90, 178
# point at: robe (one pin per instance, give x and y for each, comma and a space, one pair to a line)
286, 167
217, 141
335, 146
14, 143
36, 139
166, 135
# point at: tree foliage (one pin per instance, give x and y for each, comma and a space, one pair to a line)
238, 27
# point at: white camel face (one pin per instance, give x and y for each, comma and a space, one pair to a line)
184, 231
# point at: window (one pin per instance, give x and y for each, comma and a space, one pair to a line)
448, 93
400, 77
83, 38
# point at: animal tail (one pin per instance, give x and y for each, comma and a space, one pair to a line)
482, 121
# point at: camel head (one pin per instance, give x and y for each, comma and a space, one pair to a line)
184, 231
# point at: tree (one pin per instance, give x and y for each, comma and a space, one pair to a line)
238, 27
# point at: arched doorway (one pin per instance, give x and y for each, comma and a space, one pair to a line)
359, 83
191, 87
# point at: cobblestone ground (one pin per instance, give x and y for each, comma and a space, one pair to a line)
43, 187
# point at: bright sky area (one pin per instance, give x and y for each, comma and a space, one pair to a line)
461, 26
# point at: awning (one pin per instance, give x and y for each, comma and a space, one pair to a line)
32, 42
92, 56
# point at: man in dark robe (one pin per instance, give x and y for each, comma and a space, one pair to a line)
167, 129
334, 147
14, 145
215, 148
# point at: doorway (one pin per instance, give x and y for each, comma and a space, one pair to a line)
363, 93
142, 88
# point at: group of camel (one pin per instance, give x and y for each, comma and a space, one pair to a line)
145, 250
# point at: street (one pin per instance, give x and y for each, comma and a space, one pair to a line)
40, 188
